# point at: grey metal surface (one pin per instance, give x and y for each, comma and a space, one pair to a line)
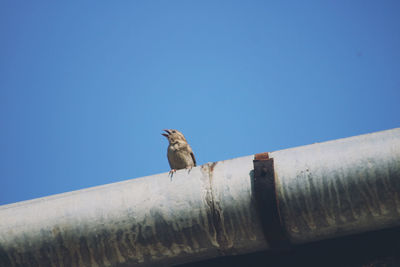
339, 187
323, 190
153, 220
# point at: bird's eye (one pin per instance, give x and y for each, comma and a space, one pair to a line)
174, 131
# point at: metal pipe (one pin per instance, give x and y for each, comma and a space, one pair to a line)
340, 187
155, 220
322, 190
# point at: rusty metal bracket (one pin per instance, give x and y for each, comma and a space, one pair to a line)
267, 204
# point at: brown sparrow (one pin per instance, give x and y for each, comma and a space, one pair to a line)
180, 154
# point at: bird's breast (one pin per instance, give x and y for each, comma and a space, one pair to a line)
180, 158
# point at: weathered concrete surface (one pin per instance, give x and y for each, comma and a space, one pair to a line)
339, 187
153, 220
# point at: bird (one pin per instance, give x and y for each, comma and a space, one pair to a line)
179, 153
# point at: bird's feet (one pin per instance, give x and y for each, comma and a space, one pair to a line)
171, 172
189, 168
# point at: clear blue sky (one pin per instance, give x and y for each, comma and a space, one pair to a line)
87, 87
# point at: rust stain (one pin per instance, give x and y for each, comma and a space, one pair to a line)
261, 156
212, 166
216, 214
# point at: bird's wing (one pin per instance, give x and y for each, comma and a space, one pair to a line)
193, 158
169, 155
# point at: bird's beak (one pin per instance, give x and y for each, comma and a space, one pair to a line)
168, 133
